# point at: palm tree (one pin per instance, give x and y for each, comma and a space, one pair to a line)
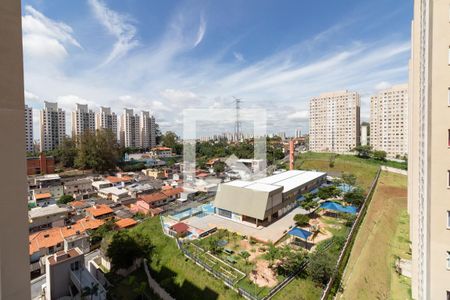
90, 291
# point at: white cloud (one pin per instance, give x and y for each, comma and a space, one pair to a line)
239, 57
200, 32
160, 77
117, 25
382, 85
44, 38
302, 115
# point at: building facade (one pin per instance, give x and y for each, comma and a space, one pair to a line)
147, 127
29, 147
105, 119
263, 201
364, 135
129, 129
334, 122
83, 120
389, 121
53, 126
429, 150
40, 165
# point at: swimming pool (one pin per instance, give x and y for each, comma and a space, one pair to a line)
205, 209
208, 208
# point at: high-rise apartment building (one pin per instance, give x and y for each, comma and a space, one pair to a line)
29, 147
147, 129
105, 119
389, 120
83, 120
129, 129
334, 122
53, 126
429, 150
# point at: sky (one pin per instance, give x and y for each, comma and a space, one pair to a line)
167, 56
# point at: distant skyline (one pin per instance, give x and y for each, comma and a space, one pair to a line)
163, 56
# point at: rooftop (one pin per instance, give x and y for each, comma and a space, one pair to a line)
115, 179
42, 196
64, 255
46, 211
125, 223
289, 180
99, 210
113, 190
53, 236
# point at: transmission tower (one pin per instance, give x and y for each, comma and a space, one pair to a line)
237, 102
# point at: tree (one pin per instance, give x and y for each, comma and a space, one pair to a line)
245, 255
328, 192
67, 152
64, 199
90, 291
363, 151
98, 151
349, 179
379, 155
272, 253
320, 267
291, 262
170, 139
355, 197
213, 245
301, 220
123, 250
219, 167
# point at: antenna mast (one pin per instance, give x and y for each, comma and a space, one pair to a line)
237, 102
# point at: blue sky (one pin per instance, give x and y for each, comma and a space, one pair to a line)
165, 56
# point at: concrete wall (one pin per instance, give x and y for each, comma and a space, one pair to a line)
14, 260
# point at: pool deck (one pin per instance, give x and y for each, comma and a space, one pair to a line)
271, 233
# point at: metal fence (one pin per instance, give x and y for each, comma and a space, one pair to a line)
335, 279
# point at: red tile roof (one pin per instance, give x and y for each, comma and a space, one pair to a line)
180, 227
99, 210
53, 236
125, 223
42, 196
115, 179
154, 197
173, 191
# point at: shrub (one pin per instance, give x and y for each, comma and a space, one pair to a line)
301, 220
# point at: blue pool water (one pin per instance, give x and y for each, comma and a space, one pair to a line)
205, 209
208, 208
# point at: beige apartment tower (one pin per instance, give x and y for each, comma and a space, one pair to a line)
389, 121
83, 120
147, 128
53, 126
129, 129
334, 122
105, 119
14, 256
429, 150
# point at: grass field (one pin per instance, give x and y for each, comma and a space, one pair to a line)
383, 236
363, 169
178, 275
133, 286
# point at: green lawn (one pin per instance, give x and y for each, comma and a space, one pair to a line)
133, 286
383, 236
178, 275
299, 289
363, 169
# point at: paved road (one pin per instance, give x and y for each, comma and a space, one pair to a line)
36, 284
